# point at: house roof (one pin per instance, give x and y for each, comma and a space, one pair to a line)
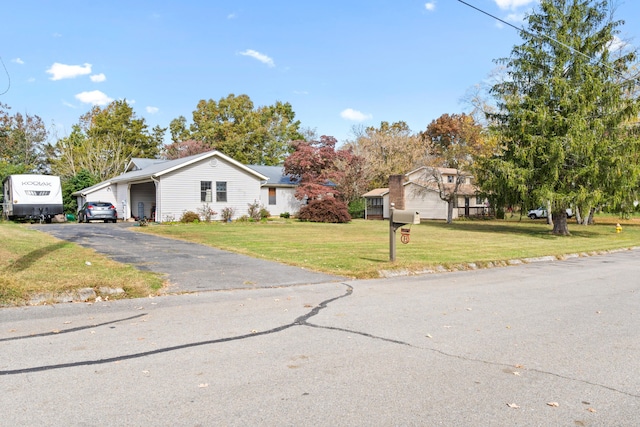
138, 163
443, 171
156, 169
376, 192
275, 176
96, 187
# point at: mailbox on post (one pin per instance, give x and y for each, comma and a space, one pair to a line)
405, 217
398, 218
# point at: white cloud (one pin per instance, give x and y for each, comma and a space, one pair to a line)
18, 61
94, 97
513, 4
62, 71
354, 115
231, 16
152, 110
430, 6
619, 45
97, 78
516, 18
259, 56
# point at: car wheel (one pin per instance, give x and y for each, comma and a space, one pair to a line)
533, 216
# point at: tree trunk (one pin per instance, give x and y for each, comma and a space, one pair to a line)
450, 211
578, 215
590, 220
560, 227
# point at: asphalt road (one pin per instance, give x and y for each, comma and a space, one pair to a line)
543, 344
189, 267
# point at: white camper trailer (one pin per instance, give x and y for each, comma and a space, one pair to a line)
32, 197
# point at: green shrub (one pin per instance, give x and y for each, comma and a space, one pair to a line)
264, 213
285, 215
190, 216
356, 208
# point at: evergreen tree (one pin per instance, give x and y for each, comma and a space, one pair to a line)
563, 106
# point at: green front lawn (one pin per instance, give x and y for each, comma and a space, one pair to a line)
32, 262
360, 249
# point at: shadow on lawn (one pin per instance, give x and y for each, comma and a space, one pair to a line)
536, 230
26, 261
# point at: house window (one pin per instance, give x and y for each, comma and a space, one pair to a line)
374, 206
272, 196
221, 191
374, 201
205, 191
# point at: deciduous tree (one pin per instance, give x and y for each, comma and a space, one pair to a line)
326, 176
189, 147
391, 149
235, 127
104, 141
22, 140
454, 141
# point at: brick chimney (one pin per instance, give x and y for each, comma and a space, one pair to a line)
396, 190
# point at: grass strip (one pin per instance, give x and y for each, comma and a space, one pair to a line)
34, 263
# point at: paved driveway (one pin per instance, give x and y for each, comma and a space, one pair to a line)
189, 267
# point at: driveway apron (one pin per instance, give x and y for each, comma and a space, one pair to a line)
189, 267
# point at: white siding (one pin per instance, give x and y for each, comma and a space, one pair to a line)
285, 200
122, 196
181, 189
428, 203
106, 194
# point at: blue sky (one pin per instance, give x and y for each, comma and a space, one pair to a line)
339, 63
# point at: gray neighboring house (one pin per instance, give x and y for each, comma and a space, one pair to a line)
162, 190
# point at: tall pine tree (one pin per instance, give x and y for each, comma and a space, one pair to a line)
563, 109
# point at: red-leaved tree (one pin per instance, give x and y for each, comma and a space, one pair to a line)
327, 179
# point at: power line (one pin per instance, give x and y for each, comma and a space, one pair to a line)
8, 76
635, 80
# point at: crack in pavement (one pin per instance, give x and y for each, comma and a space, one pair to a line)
66, 331
299, 321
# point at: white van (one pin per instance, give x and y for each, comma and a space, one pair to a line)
32, 197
